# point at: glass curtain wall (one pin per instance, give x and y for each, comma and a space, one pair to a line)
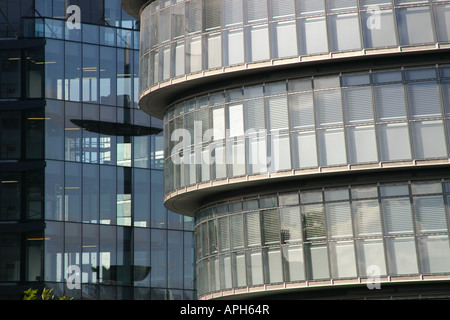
103, 182
347, 232
184, 37
305, 123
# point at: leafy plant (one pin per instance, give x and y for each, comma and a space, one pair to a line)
46, 294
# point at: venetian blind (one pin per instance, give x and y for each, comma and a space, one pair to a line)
253, 229
271, 226
430, 214
339, 219
397, 215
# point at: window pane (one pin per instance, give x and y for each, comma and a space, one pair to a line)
430, 214
280, 158
273, 272
318, 256
54, 130
232, 12
390, 102
254, 268
362, 144
235, 120
378, 29
423, 99
212, 11
271, 226
256, 10
90, 73
236, 158
178, 59
304, 149
339, 220
425, 131
236, 231
340, 26
331, 147
257, 43
281, 9
253, 229
284, 39
442, 18
394, 141
397, 216
256, 155
313, 35
435, 254
193, 55
193, 16
10, 257
91, 195
367, 217
72, 71
224, 234
314, 222
72, 195
294, 269
278, 118
343, 262
358, 104
233, 50
290, 224
254, 114
414, 25
328, 107
370, 254
214, 45
301, 108
239, 272
402, 258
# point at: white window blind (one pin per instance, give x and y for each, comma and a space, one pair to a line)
237, 231
236, 120
254, 114
397, 216
423, 99
358, 105
390, 102
212, 9
233, 12
271, 226
301, 106
430, 214
282, 9
253, 229
339, 220
193, 16
328, 107
256, 10
367, 217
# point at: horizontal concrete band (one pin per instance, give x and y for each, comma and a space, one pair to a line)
187, 201
157, 99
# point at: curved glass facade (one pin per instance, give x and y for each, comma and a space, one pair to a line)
332, 121
182, 37
270, 109
348, 232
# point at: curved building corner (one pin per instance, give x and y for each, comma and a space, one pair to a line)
309, 139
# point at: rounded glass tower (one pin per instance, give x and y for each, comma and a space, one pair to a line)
308, 138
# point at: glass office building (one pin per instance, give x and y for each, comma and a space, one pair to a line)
80, 164
309, 139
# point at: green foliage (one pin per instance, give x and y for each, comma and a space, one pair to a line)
46, 294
